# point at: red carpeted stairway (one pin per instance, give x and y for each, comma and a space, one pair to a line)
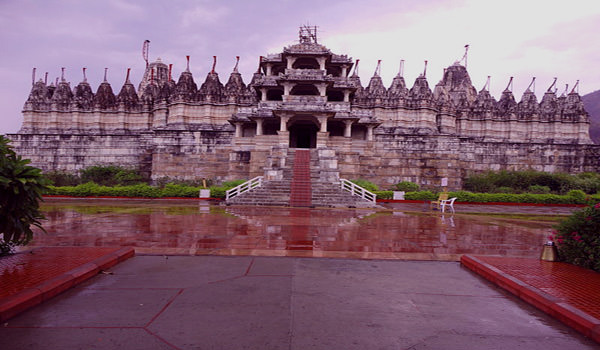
301, 193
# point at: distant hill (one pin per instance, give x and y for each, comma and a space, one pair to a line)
591, 102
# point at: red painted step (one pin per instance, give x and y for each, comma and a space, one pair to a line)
301, 193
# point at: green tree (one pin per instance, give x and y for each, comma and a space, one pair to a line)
21, 188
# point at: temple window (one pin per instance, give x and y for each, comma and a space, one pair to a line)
306, 63
305, 90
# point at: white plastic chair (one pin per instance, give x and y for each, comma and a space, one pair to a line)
447, 202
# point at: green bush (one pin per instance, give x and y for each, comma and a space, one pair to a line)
62, 178
421, 196
367, 185
111, 175
521, 181
406, 186
384, 194
538, 189
504, 189
21, 188
578, 239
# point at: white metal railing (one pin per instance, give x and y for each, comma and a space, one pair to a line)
245, 187
356, 190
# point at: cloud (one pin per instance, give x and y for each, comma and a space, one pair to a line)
201, 16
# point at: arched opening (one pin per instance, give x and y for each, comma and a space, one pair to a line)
306, 63
270, 126
304, 90
274, 95
276, 69
303, 134
334, 71
359, 132
335, 95
336, 128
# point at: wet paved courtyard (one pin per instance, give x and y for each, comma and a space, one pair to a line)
409, 232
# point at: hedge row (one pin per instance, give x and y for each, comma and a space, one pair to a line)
91, 189
573, 197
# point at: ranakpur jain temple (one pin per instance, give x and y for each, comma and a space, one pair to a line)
304, 97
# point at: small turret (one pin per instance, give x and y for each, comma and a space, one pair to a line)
212, 89
38, 97
186, 88
84, 97
235, 86
549, 105
63, 96
127, 97
420, 89
528, 105
104, 98
507, 104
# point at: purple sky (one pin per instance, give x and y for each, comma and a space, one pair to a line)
517, 38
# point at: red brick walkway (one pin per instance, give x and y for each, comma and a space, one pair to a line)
567, 292
28, 278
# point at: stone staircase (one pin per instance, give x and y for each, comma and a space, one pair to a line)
309, 178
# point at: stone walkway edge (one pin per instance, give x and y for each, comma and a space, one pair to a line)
29, 297
552, 305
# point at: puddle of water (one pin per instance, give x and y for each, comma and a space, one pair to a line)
202, 228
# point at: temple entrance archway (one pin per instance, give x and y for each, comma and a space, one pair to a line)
303, 134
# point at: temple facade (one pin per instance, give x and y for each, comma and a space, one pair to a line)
304, 97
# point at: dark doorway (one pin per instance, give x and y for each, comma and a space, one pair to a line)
303, 135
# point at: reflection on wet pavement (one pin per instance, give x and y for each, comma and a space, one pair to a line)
202, 228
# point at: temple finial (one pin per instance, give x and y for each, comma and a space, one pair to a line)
105, 74
464, 58
378, 68
575, 87
401, 71
259, 63
425, 70
531, 84
145, 49
187, 67
127, 76
170, 70
486, 87
62, 74
214, 64
509, 87
355, 73
84, 76
237, 61
551, 86
33, 76
46, 78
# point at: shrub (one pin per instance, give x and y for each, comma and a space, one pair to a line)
406, 186
521, 181
111, 175
579, 195
62, 178
384, 194
578, 238
538, 189
21, 188
421, 196
367, 185
504, 189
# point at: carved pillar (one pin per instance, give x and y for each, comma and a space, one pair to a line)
269, 67
348, 129
263, 94
322, 89
290, 61
238, 129
323, 122
322, 62
370, 132
259, 127
344, 71
346, 95
283, 119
